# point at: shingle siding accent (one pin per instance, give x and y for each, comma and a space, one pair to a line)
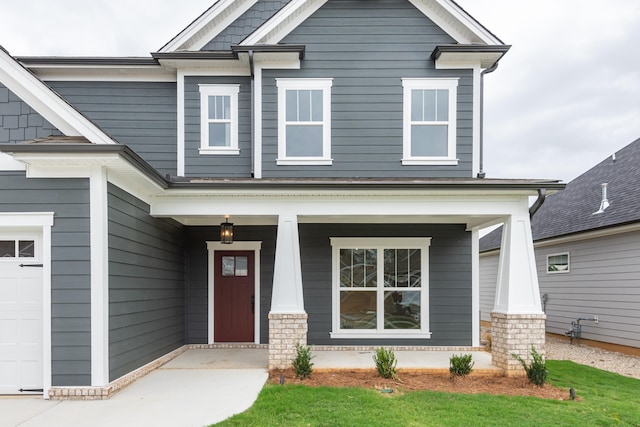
367, 47
19, 122
250, 21
146, 284
142, 115
70, 266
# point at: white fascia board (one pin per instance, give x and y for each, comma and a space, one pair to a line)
8, 163
208, 25
283, 22
46, 102
104, 74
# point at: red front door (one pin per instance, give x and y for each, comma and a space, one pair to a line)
234, 296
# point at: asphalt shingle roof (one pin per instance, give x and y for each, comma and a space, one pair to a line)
572, 210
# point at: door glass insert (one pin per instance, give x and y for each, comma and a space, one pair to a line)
7, 248
228, 266
242, 266
26, 249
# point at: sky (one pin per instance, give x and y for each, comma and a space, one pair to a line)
566, 95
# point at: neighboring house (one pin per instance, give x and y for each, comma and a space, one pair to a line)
587, 248
341, 139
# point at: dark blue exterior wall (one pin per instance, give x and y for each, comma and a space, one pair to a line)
19, 122
146, 284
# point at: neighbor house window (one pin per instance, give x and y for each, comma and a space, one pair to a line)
429, 134
304, 121
380, 287
219, 119
558, 263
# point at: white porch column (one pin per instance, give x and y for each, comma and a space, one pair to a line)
517, 321
287, 318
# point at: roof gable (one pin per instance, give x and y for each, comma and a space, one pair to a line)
205, 29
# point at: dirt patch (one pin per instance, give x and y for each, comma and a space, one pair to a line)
410, 381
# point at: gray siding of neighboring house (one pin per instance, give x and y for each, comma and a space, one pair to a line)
70, 266
142, 115
245, 24
197, 164
604, 280
196, 275
450, 290
367, 47
146, 284
488, 281
19, 122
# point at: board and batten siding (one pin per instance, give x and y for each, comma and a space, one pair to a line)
367, 47
488, 280
216, 165
450, 291
19, 122
70, 266
604, 279
142, 115
197, 269
146, 284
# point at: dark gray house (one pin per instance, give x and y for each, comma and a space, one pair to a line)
280, 171
587, 247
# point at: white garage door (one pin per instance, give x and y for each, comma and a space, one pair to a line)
20, 312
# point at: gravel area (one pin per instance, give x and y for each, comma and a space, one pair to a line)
619, 363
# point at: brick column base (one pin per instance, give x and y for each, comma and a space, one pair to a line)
515, 334
285, 331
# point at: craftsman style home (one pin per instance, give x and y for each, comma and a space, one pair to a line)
281, 171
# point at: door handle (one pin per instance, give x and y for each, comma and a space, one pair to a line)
253, 304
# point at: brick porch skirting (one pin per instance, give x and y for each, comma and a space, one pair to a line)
515, 334
285, 331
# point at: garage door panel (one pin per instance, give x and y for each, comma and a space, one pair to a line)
8, 334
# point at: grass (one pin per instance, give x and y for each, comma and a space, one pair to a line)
604, 399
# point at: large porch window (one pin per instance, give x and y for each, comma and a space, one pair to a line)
380, 287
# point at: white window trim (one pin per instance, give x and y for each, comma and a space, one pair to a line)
410, 84
568, 270
304, 84
207, 90
381, 243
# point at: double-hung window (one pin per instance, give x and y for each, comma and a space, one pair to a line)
380, 288
429, 134
219, 119
304, 121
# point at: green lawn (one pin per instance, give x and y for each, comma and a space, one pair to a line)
605, 399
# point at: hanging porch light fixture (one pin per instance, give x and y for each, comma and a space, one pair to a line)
226, 231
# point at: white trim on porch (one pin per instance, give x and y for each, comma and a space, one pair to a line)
212, 247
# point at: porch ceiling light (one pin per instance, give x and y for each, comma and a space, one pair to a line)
226, 231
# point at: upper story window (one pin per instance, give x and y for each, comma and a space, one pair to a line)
304, 121
219, 119
429, 134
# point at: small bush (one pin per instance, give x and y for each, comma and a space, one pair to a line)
537, 369
386, 362
302, 362
461, 365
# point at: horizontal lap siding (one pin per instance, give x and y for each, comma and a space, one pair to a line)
142, 115
450, 289
197, 281
70, 266
604, 279
146, 284
197, 164
367, 48
488, 281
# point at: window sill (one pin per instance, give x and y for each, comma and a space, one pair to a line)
381, 335
219, 151
308, 162
432, 162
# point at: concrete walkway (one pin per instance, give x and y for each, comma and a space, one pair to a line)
197, 388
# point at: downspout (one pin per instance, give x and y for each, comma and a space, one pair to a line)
542, 196
481, 173
253, 156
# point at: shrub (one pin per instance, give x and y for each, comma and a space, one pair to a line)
461, 365
537, 369
302, 362
386, 362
